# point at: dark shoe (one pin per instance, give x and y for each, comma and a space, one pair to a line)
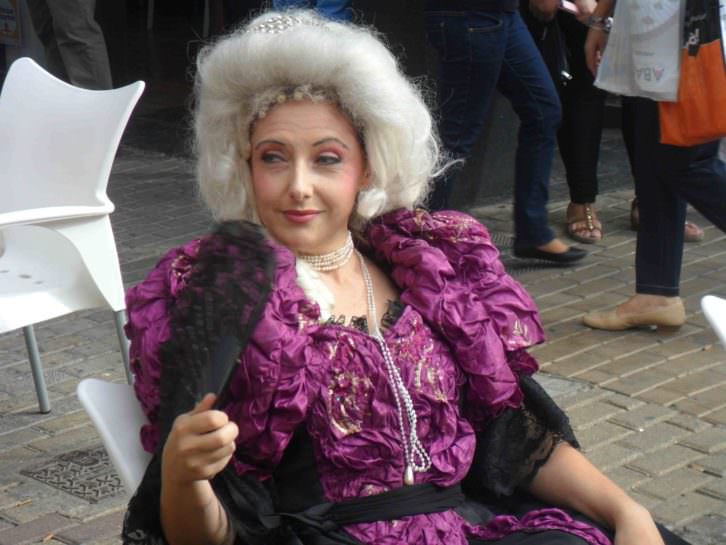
572, 254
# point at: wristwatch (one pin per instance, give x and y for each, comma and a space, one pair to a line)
600, 23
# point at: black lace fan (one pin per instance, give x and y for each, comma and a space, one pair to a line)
211, 323
214, 317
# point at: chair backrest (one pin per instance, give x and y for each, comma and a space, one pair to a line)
118, 417
714, 308
57, 141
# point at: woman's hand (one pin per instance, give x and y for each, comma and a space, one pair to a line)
544, 10
595, 44
585, 8
635, 526
200, 444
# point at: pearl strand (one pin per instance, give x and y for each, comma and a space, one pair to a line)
412, 447
333, 260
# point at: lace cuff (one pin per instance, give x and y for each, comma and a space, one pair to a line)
518, 442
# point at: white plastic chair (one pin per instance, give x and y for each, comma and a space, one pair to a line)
714, 308
117, 416
57, 146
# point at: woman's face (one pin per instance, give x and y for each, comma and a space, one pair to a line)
307, 168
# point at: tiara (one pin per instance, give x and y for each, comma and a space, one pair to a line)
280, 23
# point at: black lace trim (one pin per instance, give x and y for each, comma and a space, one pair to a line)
519, 442
393, 312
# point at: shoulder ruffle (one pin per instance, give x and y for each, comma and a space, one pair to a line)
449, 270
269, 389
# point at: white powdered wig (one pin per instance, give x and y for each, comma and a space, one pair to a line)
237, 74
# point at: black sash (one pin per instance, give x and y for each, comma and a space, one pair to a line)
394, 504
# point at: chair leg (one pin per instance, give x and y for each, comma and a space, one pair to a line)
120, 319
36, 365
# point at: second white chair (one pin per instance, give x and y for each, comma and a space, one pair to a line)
58, 254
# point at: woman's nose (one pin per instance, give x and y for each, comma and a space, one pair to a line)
300, 182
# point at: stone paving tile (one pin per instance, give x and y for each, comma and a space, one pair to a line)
591, 414
713, 463
611, 455
103, 527
627, 478
715, 488
708, 441
704, 402
706, 530
642, 417
667, 459
660, 395
684, 508
640, 382
33, 531
655, 437
717, 417
688, 422
602, 433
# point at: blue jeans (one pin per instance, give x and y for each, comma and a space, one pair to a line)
338, 10
666, 178
482, 51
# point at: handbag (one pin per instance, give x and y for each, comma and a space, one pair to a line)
642, 57
699, 115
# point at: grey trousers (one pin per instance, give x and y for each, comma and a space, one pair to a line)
75, 49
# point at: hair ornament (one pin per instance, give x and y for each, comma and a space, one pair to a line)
280, 23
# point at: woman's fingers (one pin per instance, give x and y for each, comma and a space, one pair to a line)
200, 443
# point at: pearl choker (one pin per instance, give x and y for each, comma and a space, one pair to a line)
333, 260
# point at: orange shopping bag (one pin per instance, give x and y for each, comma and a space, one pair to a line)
700, 114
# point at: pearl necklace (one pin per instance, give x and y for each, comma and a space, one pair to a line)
412, 447
333, 260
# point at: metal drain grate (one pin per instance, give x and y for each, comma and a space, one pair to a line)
86, 474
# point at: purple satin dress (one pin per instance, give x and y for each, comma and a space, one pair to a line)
464, 332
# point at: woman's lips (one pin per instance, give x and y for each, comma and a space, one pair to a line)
301, 216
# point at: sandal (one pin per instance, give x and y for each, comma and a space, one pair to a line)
691, 231
582, 223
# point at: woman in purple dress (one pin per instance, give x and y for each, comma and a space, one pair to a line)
386, 394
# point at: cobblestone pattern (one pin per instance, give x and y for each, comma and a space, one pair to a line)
649, 407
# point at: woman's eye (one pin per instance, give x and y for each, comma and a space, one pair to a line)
271, 157
328, 159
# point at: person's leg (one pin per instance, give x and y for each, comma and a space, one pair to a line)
527, 84
583, 109
81, 43
704, 184
291, 4
471, 49
659, 247
338, 10
43, 25
583, 112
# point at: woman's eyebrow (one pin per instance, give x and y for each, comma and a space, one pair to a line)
330, 139
269, 141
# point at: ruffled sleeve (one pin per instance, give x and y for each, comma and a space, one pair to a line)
269, 391
449, 270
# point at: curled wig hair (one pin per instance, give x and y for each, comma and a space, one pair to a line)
277, 52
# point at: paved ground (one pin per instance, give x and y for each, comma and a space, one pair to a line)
649, 407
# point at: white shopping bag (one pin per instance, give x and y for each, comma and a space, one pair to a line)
642, 57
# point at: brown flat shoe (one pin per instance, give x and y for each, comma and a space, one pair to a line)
582, 223
671, 316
